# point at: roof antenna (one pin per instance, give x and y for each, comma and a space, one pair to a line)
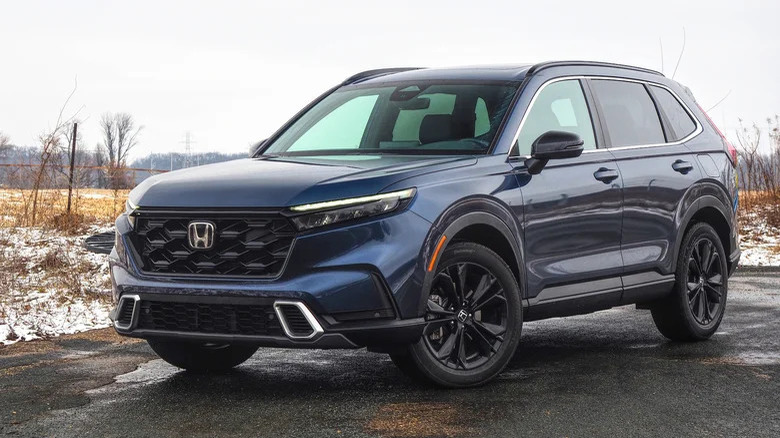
719, 102
681, 55
661, 43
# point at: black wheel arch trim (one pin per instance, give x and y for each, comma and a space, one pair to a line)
702, 202
476, 210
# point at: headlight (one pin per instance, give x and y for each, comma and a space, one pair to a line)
119, 247
130, 209
341, 210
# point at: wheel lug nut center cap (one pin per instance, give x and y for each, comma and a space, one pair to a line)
463, 315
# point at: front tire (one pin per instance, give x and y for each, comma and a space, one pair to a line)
202, 357
695, 309
474, 319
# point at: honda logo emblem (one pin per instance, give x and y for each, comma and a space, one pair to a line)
200, 234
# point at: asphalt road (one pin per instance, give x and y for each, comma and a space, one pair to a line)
605, 374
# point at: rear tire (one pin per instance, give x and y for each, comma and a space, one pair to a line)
474, 320
695, 309
202, 357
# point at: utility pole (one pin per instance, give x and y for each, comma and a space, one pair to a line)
187, 149
72, 164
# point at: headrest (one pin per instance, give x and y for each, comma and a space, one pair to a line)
436, 127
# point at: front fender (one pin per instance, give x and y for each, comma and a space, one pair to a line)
462, 214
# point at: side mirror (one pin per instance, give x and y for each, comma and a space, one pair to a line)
255, 147
553, 145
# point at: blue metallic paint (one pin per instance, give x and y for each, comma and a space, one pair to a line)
574, 239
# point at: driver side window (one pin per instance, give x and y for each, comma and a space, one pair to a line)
560, 106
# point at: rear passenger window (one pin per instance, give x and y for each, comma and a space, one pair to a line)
629, 113
678, 119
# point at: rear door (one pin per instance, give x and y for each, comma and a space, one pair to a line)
571, 210
657, 171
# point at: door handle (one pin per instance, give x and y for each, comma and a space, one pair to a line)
682, 166
606, 175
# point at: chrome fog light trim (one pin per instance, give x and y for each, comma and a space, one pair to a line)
133, 318
315, 325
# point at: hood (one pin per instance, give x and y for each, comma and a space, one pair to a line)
282, 182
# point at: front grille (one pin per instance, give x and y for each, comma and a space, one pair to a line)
252, 244
235, 319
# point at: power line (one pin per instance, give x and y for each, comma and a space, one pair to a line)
187, 150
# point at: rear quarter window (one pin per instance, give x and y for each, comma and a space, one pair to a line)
678, 119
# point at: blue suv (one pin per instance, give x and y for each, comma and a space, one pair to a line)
427, 213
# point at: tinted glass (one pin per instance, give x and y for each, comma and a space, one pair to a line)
629, 113
559, 106
679, 119
400, 118
407, 125
342, 128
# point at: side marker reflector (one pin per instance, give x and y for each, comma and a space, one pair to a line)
436, 252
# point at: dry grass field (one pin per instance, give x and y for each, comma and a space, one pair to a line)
89, 207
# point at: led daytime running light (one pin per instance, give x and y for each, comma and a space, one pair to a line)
401, 194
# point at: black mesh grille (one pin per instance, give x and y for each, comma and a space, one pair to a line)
296, 322
125, 316
238, 319
244, 245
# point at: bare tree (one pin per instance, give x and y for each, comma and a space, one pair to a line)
759, 172
108, 131
120, 136
126, 137
100, 160
5, 144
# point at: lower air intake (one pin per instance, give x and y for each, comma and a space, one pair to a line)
212, 318
125, 309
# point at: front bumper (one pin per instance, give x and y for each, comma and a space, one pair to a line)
361, 283
325, 332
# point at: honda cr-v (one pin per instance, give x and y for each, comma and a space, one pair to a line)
427, 213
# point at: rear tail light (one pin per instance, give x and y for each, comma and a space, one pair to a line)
730, 149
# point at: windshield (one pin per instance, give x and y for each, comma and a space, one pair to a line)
408, 118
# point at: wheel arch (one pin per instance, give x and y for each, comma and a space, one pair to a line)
710, 210
481, 220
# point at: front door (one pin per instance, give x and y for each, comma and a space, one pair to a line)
571, 210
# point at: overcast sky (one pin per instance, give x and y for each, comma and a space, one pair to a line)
232, 72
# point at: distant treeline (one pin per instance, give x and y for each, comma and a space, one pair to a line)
18, 177
175, 160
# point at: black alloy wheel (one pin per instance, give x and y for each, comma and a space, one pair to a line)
473, 320
705, 281
695, 307
467, 316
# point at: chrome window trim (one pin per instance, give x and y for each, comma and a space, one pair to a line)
699, 129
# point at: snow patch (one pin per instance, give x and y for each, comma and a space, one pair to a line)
760, 242
50, 284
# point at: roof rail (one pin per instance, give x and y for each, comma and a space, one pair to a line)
376, 72
543, 65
